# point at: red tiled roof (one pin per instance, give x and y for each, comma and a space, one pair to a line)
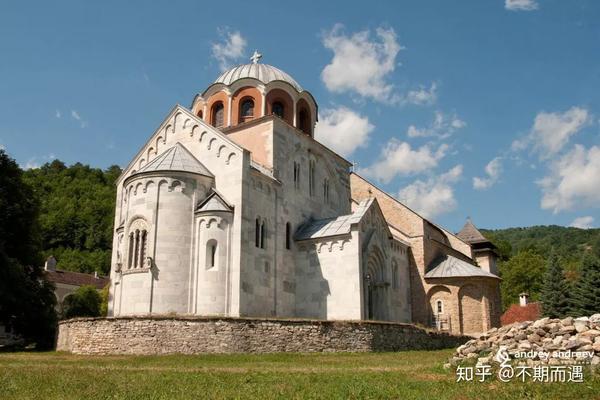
518, 313
76, 278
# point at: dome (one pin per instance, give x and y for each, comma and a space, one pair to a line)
262, 72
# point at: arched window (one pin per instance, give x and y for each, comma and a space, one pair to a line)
278, 109
263, 235
296, 174
200, 114
326, 190
138, 242
218, 114
288, 236
303, 123
439, 307
257, 233
247, 110
211, 254
311, 178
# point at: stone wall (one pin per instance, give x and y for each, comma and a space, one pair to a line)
195, 335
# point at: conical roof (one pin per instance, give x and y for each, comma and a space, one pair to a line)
176, 158
470, 234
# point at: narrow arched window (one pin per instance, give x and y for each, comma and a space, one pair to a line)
326, 190
257, 233
311, 178
296, 175
278, 109
218, 114
131, 250
288, 236
439, 305
136, 256
247, 110
263, 235
144, 237
211, 254
395, 283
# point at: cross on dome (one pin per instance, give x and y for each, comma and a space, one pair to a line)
255, 57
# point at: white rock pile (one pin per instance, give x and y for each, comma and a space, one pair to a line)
552, 341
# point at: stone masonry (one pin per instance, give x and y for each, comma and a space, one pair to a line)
196, 335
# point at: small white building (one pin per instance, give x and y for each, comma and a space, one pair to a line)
232, 208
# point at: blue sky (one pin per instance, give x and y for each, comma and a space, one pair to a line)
483, 108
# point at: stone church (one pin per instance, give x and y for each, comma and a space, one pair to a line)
232, 208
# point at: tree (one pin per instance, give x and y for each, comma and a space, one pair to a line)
522, 273
586, 294
555, 291
26, 299
84, 302
104, 294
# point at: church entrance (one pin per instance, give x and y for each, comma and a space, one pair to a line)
375, 288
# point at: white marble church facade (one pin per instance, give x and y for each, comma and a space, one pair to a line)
232, 208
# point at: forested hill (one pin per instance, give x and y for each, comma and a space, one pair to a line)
76, 214
524, 254
569, 243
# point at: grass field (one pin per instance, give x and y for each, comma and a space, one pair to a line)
404, 375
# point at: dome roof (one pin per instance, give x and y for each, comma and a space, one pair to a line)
263, 72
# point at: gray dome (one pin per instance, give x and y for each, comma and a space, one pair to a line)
263, 72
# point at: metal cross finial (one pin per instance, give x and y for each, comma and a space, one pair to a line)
255, 57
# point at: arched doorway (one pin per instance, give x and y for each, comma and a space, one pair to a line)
375, 287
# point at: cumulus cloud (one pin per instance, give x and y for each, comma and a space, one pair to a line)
422, 96
573, 180
343, 130
362, 63
399, 158
493, 170
229, 49
583, 222
552, 131
57, 114
442, 126
433, 196
521, 5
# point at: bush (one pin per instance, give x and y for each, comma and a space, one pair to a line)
84, 302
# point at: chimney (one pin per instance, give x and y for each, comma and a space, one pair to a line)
523, 299
50, 264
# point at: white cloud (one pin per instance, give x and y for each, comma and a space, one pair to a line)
521, 5
76, 116
31, 164
573, 181
493, 170
2, 147
583, 222
422, 96
361, 64
434, 196
229, 49
441, 127
398, 158
57, 114
343, 130
552, 131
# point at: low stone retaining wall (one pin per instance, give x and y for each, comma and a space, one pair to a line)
196, 335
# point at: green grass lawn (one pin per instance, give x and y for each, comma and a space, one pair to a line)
404, 375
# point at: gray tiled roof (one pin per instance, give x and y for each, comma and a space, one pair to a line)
214, 202
333, 226
470, 234
176, 158
263, 72
452, 267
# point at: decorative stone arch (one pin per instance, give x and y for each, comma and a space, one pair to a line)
471, 309
137, 243
218, 98
375, 285
440, 305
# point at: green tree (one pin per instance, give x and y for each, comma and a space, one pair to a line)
555, 290
26, 299
104, 293
522, 273
84, 302
586, 294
